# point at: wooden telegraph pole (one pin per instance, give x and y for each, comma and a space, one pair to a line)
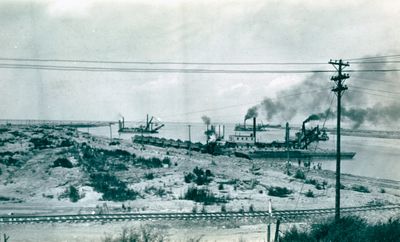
339, 89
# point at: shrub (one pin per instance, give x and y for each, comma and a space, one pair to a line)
166, 161
149, 176
40, 143
279, 191
156, 191
223, 208
300, 174
202, 195
309, 193
251, 208
63, 162
221, 186
72, 193
199, 176
381, 191
144, 234
360, 188
189, 177
112, 188
153, 162
346, 229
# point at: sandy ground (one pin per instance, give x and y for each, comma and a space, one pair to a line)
29, 184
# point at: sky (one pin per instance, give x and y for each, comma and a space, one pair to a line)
191, 31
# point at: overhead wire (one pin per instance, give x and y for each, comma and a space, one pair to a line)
246, 104
157, 62
373, 57
375, 90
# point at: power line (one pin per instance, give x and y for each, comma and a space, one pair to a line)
173, 70
374, 94
162, 70
373, 62
159, 62
374, 57
374, 80
375, 90
246, 104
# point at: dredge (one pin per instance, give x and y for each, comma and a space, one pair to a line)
291, 148
150, 127
247, 146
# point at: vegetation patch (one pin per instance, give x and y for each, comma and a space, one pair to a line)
62, 162
203, 195
300, 174
360, 188
72, 193
346, 229
199, 176
112, 188
279, 191
309, 193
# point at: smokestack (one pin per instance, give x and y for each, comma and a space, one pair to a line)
287, 135
223, 131
244, 124
254, 129
123, 122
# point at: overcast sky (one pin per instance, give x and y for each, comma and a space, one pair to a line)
182, 31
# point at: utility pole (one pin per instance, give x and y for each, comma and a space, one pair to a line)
339, 89
190, 140
110, 131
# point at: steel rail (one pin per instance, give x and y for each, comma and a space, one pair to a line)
284, 215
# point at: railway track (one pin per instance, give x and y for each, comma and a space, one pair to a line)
283, 215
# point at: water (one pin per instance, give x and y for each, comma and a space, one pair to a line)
376, 157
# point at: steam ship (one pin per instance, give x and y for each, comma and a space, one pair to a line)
259, 127
150, 127
247, 145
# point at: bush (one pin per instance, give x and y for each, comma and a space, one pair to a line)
221, 186
199, 176
347, 229
251, 208
189, 177
202, 195
40, 143
149, 176
112, 188
72, 193
63, 162
223, 208
300, 175
309, 193
156, 191
153, 162
144, 234
166, 161
360, 188
279, 191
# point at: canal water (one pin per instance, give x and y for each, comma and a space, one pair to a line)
375, 157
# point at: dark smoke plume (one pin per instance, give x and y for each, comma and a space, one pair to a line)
314, 94
271, 108
206, 120
251, 113
312, 117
